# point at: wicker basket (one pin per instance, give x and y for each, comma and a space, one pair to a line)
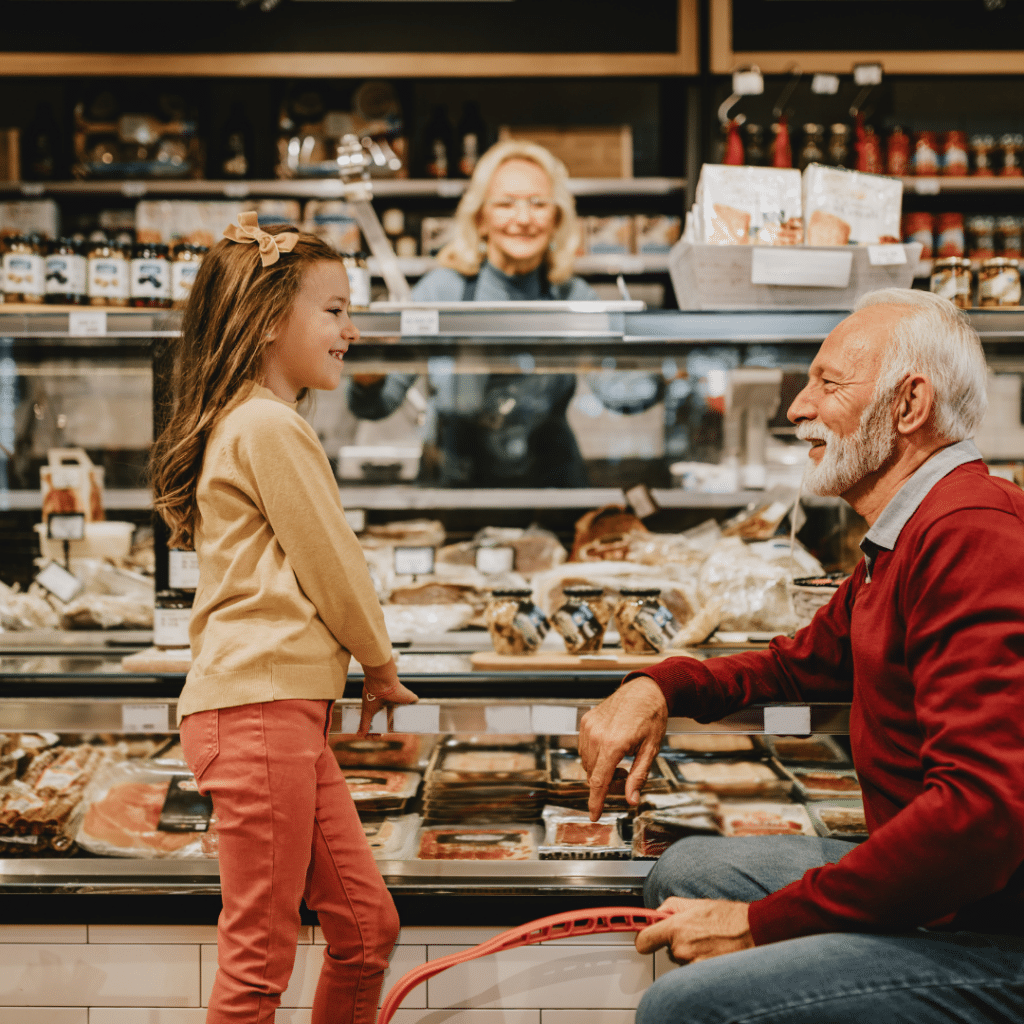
808, 596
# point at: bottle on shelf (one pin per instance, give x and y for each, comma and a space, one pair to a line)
472, 136
954, 154
869, 148
813, 151
757, 155
237, 157
733, 144
39, 144
781, 148
897, 155
438, 144
839, 145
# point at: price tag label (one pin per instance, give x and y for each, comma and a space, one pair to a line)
927, 186
510, 718
414, 561
133, 189
87, 323
825, 85
423, 718
867, 74
553, 720
813, 268
65, 525
448, 189
145, 718
32, 188
787, 721
350, 720
182, 569
886, 255
236, 189
642, 501
420, 322
59, 582
491, 561
356, 518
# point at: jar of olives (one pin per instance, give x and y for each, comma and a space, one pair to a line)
185, 260
66, 273
645, 625
108, 274
999, 282
516, 624
582, 619
150, 276
24, 273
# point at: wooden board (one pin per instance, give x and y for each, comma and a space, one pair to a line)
559, 661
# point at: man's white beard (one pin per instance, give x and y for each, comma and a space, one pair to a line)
847, 460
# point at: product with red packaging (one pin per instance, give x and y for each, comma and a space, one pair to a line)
949, 230
926, 154
919, 227
954, 155
897, 157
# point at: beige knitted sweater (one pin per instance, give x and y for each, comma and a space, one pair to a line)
284, 594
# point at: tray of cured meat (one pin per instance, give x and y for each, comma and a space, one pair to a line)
457, 762
764, 818
512, 841
571, 835
569, 786
825, 783
395, 750
666, 818
717, 745
839, 819
560, 661
392, 838
380, 790
814, 749
730, 778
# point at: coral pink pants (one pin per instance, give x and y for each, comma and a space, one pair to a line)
288, 830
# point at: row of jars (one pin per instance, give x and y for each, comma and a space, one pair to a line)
998, 283
954, 154
980, 236
73, 272
518, 626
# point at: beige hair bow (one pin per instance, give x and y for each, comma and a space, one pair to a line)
271, 246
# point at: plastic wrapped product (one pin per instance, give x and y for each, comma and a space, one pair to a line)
457, 762
375, 790
807, 749
749, 206
149, 809
826, 783
731, 778
571, 835
711, 744
393, 838
654, 831
494, 842
760, 818
839, 819
396, 750
850, 208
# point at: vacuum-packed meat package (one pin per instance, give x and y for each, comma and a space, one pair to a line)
759, 818
571, 835
494, 842
730, 777
671, 819
825, 783
379, 790
397, 750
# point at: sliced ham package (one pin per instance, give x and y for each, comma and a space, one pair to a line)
571, 835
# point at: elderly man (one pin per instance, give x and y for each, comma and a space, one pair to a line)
923, 922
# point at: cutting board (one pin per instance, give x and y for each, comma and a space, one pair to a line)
560, 661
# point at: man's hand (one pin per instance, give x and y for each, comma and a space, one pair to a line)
631, 721
698, 930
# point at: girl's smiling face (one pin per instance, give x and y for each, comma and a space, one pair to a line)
307, 348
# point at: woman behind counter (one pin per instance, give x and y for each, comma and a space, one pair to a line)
516, 234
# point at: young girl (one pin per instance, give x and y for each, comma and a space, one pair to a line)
284, 598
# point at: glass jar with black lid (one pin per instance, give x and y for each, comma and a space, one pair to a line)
150, 276
67, 273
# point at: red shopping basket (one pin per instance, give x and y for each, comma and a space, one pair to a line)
544, 929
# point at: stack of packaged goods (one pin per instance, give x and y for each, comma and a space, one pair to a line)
569, 786
665, 818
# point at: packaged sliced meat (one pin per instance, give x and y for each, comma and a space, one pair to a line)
732, 777
823, 783
495, 842
392, 838
710, 743
760, 818
807, 749
839, 819
655, 830
457, 762
368, 784
397, 750
571, 835
149, 809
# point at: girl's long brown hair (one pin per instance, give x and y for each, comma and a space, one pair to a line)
234, 304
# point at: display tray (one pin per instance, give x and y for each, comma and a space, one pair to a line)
560, 661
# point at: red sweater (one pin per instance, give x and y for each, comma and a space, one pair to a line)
930, 651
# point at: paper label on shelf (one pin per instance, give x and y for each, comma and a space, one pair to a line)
236, 189
787, 721
350, 720
170, 626
145, 718
886, 255
59, 582
509, 718
414, 561
867, 74
183, 569
447, 189
927, 186
553, 720
825, 85
356, 518
419, 322
420, 718
133, 189
87, 323
491, 561
815, 268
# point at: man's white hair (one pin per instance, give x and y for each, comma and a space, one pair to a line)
938, 341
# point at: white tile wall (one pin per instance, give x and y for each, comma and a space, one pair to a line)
585, 1017
308, 959
100, 975
596, 977
662, 964
419, 935
404, 1016
44, 1015
22, 933
160, 934
122, 1015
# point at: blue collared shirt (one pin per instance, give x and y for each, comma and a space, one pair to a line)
888, 526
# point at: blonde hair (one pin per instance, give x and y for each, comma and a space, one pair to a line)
234, 304
463, 253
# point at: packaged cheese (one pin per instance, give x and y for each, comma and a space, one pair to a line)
749, 206
850, 208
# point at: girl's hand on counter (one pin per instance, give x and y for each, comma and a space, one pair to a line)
382, 690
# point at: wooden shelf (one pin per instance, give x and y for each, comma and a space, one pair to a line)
933, 186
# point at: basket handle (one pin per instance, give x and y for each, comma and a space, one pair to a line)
559, 926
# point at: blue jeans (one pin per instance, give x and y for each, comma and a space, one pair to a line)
919, 977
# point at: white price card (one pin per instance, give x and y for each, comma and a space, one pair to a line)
414, 561
811, 268
422, 718
553, 720
350, 720
87, 323
236, 189
927, 186
182, 569
448, 189
642, 501
145, 718
419, 322
356, 518
886, 255
59, 582
825, 85
787, 721
491, 561
747, 83
508, 718
867, 74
